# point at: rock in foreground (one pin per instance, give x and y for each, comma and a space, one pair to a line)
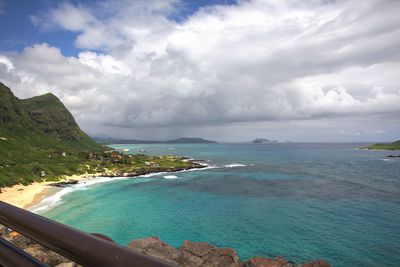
196, 254
190, 254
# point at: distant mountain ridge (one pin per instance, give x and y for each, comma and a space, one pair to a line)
263, 140
182, 140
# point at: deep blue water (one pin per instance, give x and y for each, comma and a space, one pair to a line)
301, 201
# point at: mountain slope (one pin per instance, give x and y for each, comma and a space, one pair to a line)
33, 134
50, 115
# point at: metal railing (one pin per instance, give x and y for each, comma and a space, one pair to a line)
80, 247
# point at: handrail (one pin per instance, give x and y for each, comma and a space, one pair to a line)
10, 255
76, 245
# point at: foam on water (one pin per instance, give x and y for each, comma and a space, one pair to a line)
152, 174
170, 177
234, 165
51, 201
209, 167
56, 199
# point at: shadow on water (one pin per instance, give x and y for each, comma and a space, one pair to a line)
288, 187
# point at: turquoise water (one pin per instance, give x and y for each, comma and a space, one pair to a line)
302, 201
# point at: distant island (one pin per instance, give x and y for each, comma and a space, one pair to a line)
182, 140
262, 141
41, 141
384, 146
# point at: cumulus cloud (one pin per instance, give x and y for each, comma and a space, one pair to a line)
254, 62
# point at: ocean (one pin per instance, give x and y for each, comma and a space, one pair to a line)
300, 201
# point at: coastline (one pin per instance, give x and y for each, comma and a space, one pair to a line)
28, 196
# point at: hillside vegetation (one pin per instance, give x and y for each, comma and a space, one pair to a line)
390, 146
36, 135
40, 140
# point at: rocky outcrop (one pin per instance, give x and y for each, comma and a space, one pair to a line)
64, 183
316, 263
204, 254
45, 255
190, 254
282, 262
267, 262
17, 239
154, 247
196, 254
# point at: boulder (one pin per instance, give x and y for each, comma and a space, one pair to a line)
18, 240
44, 255
316, 263
190, 254
267, 262
155, 247
203, 254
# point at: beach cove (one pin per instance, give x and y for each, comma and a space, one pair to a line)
31, 195
301, 201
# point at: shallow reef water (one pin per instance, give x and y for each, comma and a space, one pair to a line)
301, 201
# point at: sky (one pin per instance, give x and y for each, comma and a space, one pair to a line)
298, 70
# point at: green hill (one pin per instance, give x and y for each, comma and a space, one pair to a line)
50, 115
36, 134
390, 146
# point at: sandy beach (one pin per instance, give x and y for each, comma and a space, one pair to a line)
26, 196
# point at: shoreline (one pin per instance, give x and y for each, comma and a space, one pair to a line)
28, 196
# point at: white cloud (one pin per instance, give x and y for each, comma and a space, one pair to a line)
251, 62
6, 62
73, 18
